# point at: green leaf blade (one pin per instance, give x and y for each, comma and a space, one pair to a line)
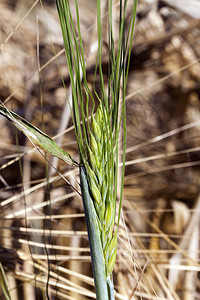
37, 137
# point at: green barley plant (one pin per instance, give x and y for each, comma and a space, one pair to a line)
98, 139
97, 132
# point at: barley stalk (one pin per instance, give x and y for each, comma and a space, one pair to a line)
94, 238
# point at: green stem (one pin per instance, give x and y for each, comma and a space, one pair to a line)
111, 289
104, 291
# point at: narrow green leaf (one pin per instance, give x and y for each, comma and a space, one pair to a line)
37, 137
4, 283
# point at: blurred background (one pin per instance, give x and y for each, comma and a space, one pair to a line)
43, 241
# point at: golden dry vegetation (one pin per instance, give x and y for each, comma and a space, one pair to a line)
43, 239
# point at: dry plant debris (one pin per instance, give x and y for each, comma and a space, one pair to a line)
43, 234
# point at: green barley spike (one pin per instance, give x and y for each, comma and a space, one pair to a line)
99, 174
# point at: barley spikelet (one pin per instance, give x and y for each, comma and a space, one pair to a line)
100, 174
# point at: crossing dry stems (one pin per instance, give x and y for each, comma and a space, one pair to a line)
153, 194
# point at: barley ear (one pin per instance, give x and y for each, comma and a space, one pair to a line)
101, 185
